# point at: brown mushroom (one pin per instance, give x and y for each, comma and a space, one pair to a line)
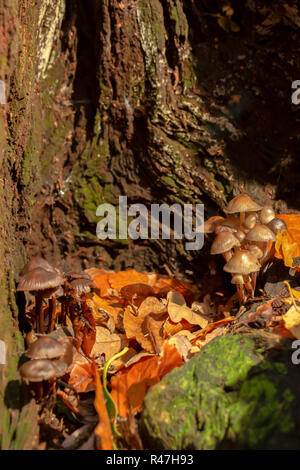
243, 262
261, 235
239, 282
242, 204
223, 244
266, 214
43, 283
211, 224
276, 225
40, 370
250, 221
45, 347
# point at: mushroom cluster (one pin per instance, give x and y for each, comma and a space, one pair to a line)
49, 360
45, 281
243, 241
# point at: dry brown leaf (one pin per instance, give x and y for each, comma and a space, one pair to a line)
171, 328
107, 343
176, 297
81, 377
182, 312
182, 344
151, 336
104, 309
137, 357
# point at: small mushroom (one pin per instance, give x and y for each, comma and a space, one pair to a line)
45, 347
243, 262
261, 235
43, 283
266, 214
276, 225
223, 244
250, 221
239, 282
40, 370
242, 204
211, 224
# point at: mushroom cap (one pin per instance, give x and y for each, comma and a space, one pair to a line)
211, 224
242, 203
250, 221
223, 242
82, 286
240, 235
276, 225
39, 279
231, 221
261, 233
74, 275
37, 370
38, 262
242, 262
237, 279
266, 215
45, 347
256, 251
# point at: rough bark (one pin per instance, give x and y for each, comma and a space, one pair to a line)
153, 100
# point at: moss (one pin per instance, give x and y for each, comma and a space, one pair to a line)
228, 395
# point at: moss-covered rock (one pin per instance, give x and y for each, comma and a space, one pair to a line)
239, 392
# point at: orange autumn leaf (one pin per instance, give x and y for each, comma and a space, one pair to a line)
81, 378
129, 386
103, 429
287, 246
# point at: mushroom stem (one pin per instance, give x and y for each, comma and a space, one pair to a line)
52, 308
40, 313
38, 390
253, 277
241, 293
248, 285
227, 255
242, 218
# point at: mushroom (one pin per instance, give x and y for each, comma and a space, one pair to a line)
243, 262
239, 282
223, 244
231, 221
50, 359
211, 224
266, 214
261, 235
43, 283
45, 347
276, 225
256, 251
240, 235
76, 287
242, 204
250, 221
39, 370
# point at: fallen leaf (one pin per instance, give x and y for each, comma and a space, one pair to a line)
103, 429
129, 386
182, 312
182, 344
81, 378
107, 343
292, 321
287, 246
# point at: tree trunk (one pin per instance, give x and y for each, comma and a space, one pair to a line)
160, 101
